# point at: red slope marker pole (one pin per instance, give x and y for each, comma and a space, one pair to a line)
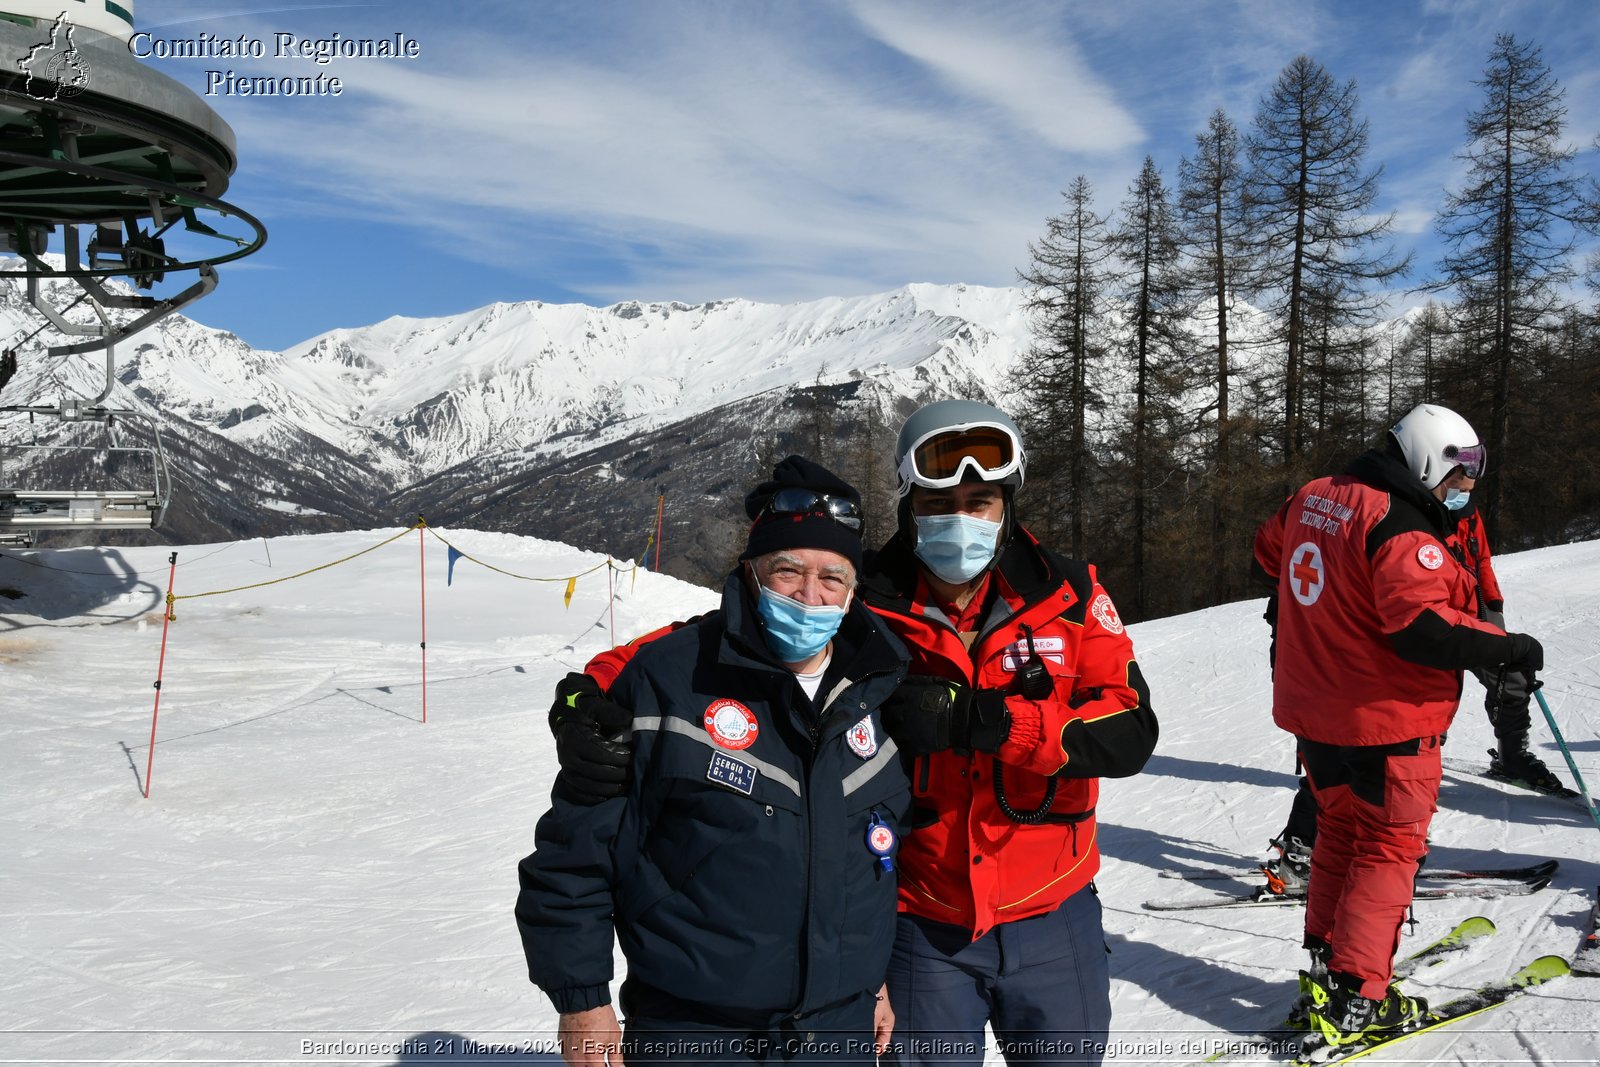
161, 666
661, 502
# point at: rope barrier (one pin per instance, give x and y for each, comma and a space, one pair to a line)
300, 574
607, 562
633, 565
421, 526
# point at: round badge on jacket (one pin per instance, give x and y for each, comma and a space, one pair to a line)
1431, 557
863, 739
731, 724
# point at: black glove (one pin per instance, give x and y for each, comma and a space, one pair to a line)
1526, 653
1517, 686
594, 764
927, 714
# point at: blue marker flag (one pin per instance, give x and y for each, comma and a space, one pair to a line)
450, 568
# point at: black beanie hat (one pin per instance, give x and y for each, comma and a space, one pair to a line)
771, 531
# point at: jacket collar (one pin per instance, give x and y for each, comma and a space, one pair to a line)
1382, 471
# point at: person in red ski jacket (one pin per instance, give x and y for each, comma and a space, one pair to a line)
1506, 693
1022, 693
1506, 700
1376, 621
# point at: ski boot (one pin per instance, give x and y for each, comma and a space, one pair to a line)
1313, 985
1513, 761
1348, 1018
1289, 872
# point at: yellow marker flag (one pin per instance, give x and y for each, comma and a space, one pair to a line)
572, 584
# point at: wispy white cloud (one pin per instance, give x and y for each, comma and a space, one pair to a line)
1014, 61
738, 144
698, 149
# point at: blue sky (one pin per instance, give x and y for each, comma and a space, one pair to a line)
703, 149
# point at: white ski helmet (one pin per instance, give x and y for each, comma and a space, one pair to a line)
1435, 441
942, 443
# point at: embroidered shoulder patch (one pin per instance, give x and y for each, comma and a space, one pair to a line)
1104, 610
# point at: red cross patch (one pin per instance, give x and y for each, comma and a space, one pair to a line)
1307, 575
1431, 556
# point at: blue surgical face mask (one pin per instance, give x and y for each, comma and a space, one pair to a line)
797, 631
1455, 499
956, 548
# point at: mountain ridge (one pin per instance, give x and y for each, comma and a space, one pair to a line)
483, 414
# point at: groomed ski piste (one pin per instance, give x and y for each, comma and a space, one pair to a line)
318, 876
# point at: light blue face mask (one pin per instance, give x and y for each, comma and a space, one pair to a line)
797, 631
1455, 499
956, 548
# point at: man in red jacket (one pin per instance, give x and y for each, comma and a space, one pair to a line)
1376, 620
1023, 693
1506, 700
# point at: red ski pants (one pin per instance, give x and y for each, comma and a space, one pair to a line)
1377, 802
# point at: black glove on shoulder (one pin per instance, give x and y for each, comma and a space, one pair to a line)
927, 714
594, 763
1526, 653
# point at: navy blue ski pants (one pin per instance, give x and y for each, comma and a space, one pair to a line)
656, 1034
1043, 985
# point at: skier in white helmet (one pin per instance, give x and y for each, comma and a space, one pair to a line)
1376, 620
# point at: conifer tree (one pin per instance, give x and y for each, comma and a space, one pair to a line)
1211, 210
1509, 234
1063, 282
1310, 198
1154, 305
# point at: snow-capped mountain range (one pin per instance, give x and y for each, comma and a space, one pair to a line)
477, 416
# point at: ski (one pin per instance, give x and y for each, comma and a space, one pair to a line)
1541, 970
1481, 771
1532, 872
1261, 898
1587, 959
1457, 940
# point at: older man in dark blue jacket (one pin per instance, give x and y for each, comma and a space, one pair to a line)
748, 870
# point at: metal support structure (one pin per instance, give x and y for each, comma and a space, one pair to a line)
142, 162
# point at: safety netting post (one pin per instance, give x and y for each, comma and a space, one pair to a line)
422, 584
161, 666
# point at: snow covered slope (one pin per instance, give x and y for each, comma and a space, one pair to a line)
317, 872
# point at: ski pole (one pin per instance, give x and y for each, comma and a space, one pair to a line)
1561, 742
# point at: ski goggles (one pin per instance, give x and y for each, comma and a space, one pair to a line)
1471, 459
793, 501
943, 458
